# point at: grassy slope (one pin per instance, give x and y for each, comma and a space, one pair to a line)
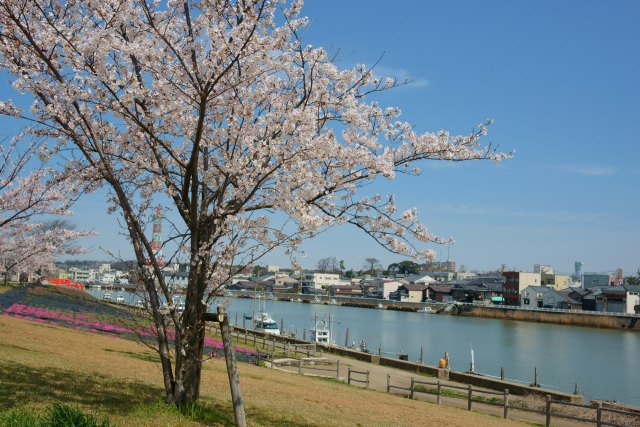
41, 363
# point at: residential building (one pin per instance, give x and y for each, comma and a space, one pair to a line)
515, 282
439, 293
82, 275
576, 294
619, 299
421, 278
545, 297
247, 286
595, 280
314, 282
385, 287
412, 292
555, 281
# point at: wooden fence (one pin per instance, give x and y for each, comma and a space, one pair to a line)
303, 363
480, 396
359, 379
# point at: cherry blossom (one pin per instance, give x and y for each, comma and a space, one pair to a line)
259, 140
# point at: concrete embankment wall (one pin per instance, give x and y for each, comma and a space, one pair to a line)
477, 380
514, 388
577, 318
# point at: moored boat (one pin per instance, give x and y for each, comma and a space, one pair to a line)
264, 323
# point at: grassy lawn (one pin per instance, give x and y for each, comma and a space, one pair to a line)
107, 376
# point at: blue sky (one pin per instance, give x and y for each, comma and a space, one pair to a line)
560, 79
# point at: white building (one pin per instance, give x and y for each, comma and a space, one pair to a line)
317, 281
385, 287
82, 275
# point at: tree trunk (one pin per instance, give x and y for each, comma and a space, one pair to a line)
190, 344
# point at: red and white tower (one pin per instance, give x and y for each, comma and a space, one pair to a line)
156, 243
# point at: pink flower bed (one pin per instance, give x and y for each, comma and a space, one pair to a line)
83, 322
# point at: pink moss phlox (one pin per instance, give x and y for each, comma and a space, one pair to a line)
83, 322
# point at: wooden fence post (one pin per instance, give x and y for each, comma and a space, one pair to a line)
300, 365
411, 390
502, 374
367, 379
469, 398
338, 370
599, 414
388, 382
349, 376
232, 369
439, 393
548, 411
506, 402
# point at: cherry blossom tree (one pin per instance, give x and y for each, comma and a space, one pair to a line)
29, 241
219, 107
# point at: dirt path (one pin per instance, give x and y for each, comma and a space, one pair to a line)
399, 380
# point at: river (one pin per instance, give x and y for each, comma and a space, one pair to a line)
604, 363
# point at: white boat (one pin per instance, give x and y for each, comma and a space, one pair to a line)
427, 310
120, 299
333, 302
264, 323
106, 297
321, 332
316, 300
139, 304
381, 307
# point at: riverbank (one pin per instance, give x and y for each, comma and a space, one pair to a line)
104, 373
560, 317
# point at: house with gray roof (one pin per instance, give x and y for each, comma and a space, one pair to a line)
619, 299
544, 297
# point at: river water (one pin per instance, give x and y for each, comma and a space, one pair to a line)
605, 363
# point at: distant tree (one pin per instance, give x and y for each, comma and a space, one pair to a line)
349, 274
327, 265
404, 267
372, 264
631, 280
408, 267
342, 266
462, 268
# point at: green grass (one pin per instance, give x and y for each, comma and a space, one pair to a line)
23, 383
199, 413
56, 415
